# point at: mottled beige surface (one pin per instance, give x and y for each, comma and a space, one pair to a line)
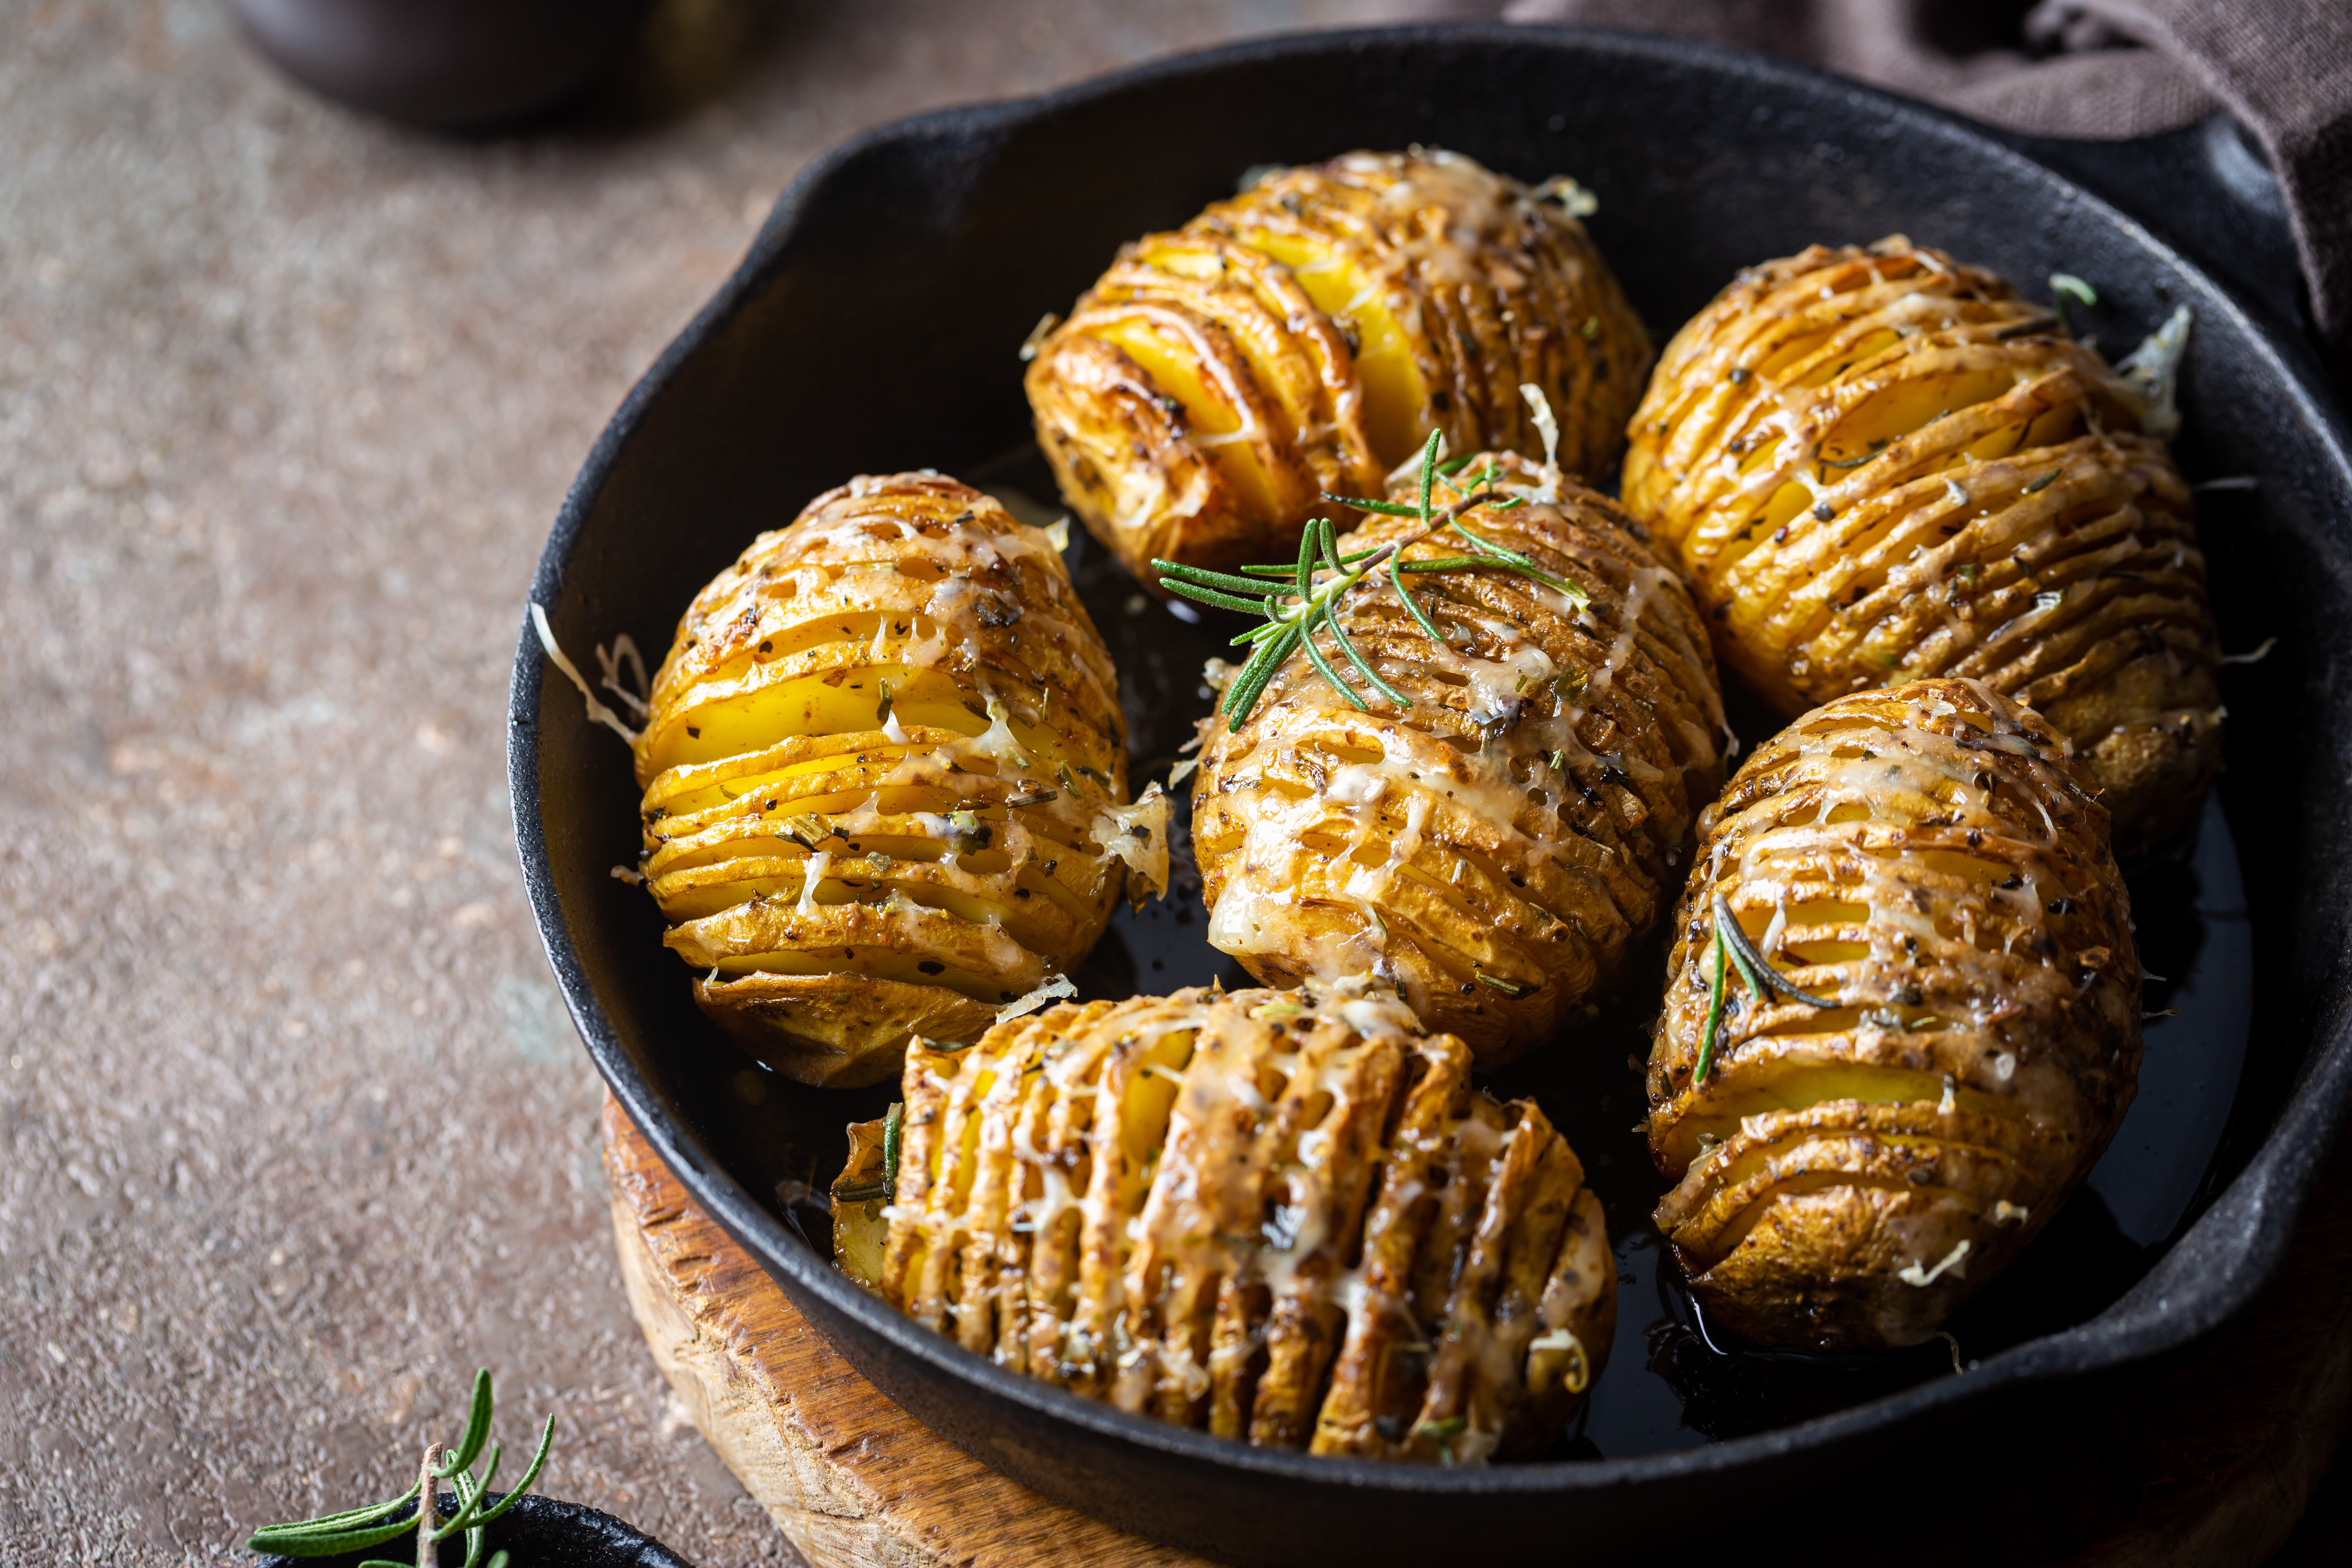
293, 1132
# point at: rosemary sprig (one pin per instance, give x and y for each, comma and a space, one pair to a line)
893, 1129
357, 1529
1734, 951
1301, 602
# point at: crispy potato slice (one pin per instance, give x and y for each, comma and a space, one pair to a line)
1308, 335
1280, 1216
885, 779
1878, 466
1925, 862
1497, 848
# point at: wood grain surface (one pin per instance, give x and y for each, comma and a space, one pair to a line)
2204, 1460
849, 1477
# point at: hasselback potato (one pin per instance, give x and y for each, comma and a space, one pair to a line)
1952, 1031
1308, 335
884, 779
1496, 846
1879, 466
1279, 1216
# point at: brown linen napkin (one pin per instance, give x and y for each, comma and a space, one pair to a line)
2101, 68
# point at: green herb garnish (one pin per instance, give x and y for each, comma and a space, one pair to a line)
1734, 951
2066, 286
356, 1530
887, 1186
1301, 602
2036, 486
1443, 1434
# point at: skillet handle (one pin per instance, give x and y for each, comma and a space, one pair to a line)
2206, 190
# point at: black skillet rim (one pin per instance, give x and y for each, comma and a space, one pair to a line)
2245, 1229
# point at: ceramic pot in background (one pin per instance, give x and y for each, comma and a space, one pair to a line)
456, 64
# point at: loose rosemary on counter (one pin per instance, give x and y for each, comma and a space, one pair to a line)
355, 1529
1298, 602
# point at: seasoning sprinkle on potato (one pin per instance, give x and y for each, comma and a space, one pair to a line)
1283, 1216
1497, 843
1307, 336
1950, 1037
1879, 466
884, 777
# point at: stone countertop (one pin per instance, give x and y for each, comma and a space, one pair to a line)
294, 1134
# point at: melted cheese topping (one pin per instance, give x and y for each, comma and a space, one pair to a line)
1878, 466
1283, 1217
1925, 860
1498, 846
1309, 333
883, 746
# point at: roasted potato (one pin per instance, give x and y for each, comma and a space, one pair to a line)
1878, 465
1951, 1030
885, 779
1498, 846
1308, 335
1279, 1216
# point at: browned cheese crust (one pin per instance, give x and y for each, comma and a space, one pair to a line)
1307, 335
1497, 848
848, 871
1281, 1216
1926, 860
1878, 466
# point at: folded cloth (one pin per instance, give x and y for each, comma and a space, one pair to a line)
2076, 67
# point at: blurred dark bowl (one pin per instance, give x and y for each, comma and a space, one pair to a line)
451, 64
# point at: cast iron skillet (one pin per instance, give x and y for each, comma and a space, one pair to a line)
871, 329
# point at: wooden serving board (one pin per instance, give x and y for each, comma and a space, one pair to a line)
849, 1477
2200, 1460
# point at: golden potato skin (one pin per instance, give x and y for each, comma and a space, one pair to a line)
1878, 465
1283, 1216
1308, 335
1926, 860
851, 872
1443, 844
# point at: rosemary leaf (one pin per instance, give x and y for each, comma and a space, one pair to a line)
1339, 635
538, 1463
1385, 508
1206, 578
1323, 668
1396, 582
295, 1540
1211, 596
1713, 1010
1760, 975
478, 1429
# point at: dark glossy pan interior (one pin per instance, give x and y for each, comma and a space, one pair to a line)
872, 329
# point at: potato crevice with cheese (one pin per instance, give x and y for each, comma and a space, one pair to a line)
1878, 466
1497, 848
1272, 1216
1308, 335
1925, 861
884, 778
